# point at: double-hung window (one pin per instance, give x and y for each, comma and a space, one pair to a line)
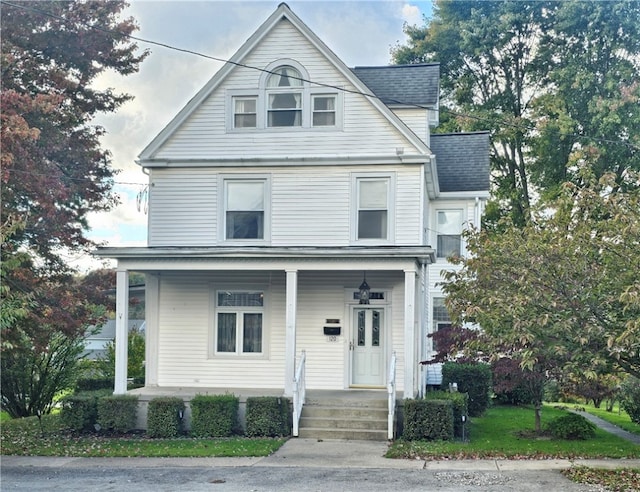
441, 319
449, 227
245, 206
239, 322
373, 197
284, 97
245, 111
324, 110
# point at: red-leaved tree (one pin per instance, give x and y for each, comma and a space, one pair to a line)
54, 170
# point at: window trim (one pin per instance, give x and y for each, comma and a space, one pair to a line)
239, 310
391, 207
460, 210
223, 179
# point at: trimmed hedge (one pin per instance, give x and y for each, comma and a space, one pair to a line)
474, 379
571, 426
117, 413
79, 412
214, 415
164, 417
268, 416
94, 384
430, 420
459, 402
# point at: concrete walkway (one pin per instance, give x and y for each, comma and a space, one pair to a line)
612, 429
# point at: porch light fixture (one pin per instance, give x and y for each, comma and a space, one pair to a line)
365, 291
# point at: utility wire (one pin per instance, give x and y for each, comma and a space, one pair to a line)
320, 84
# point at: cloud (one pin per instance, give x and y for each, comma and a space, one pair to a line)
411, 14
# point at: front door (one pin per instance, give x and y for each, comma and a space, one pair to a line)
367, 347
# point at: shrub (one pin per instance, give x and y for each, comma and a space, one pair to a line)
164, 417
32, 377
428, 420
268, 416
630, 398
79, 412
571, 426
117, 412
472, 378
94, 383
459, 402
214, 415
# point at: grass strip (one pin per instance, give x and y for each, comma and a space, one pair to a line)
29, 437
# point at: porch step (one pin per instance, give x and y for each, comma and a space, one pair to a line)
344, 418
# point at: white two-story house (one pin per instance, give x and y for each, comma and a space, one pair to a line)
300, 213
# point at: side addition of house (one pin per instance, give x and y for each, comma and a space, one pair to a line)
300, 213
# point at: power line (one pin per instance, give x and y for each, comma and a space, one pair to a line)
320, 84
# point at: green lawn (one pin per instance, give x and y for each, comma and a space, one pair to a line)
26, 437
497, 435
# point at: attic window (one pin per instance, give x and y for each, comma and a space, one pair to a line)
284, 92
244, 112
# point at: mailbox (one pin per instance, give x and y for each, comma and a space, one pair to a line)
332, 330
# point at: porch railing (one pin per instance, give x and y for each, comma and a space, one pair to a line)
391, 389
299, 392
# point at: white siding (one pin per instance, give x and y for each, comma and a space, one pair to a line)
310, 206
182, 207
186, 335
186, 329
365, 131
417, 120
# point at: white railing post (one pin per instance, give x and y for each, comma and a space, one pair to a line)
299, 392
391, 389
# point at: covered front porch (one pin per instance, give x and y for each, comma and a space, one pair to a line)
308, 308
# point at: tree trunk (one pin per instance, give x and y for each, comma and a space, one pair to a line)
538, 408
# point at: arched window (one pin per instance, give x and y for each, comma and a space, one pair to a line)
284, 97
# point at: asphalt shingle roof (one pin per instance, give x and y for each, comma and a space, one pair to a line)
462, 160
403, 85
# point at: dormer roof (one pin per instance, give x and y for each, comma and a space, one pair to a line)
403, 85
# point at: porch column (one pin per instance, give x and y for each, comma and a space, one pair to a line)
122, 331
290, 332
152, 292
409, 333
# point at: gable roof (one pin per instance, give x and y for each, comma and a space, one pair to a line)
281, 13
462, 161
403, 85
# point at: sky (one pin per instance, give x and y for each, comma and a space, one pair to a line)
361, 33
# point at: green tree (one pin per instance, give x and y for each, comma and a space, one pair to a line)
54, 171
555, 83
135, 357
562, 291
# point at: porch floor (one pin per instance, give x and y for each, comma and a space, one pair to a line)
187, 393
